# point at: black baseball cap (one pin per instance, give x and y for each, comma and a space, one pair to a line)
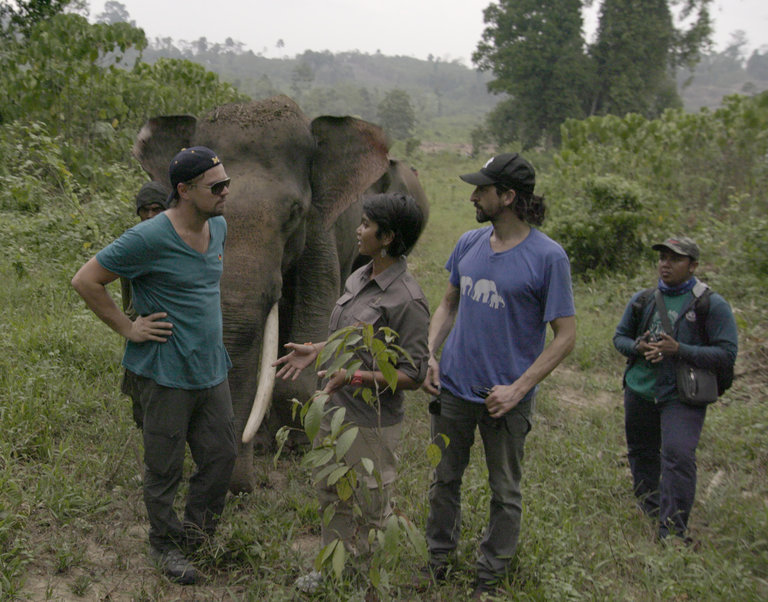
151, 193
508, 170
190, 163
681, 245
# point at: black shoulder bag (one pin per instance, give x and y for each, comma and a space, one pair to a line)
695, 386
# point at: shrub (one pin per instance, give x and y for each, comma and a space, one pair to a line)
604, 229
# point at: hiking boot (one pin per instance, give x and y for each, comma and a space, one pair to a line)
434, 573
438, 571
485, 590
174, 565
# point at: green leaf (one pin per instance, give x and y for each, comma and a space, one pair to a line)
344, 489
367, 395
328, 514
340, 362
339, 556
415, 536
367, 464
345, 441
317, 457
314, 416
374, 576
327, 352
403, 353
326, 553
281, 436
337, 421
434, 454
325, 471
390, 374
339, 472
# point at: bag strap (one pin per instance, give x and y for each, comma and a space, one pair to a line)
662, 309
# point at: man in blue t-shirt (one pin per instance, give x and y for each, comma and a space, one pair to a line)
507, 282
175, 346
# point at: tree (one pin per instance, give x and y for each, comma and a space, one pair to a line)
301, 79
115, 12
396, 114
64, 74
23, 15
535, 50
637, 51
757, 65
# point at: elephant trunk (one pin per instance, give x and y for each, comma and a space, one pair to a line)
266, 376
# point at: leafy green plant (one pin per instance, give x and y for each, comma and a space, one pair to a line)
606, 228
327, 462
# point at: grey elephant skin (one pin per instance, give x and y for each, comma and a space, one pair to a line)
292, 210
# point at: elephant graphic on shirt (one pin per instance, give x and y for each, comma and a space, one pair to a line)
483, 290
496, 301
466, 285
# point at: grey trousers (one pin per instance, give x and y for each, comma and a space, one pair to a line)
503, 440
172, 418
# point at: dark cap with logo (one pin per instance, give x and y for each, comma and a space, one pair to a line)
151, 193
681, 245
508, 170
190, 163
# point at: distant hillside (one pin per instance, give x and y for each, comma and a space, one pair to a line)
442, 93
448, 98
722, 74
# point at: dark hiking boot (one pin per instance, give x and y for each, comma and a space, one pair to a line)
486, 590
174, 565
434, 573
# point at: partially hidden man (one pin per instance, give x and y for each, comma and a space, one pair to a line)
151, 200
662, 431
175, 345
507, 281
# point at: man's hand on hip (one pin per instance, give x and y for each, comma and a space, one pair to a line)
147, 328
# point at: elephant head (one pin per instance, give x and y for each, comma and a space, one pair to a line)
291, 213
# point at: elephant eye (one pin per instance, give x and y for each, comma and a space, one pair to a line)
295, 212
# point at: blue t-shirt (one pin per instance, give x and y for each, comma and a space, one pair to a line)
168, 275
506, 301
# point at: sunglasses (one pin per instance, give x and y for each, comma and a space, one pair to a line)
217, 187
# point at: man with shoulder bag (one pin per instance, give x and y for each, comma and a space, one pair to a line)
680, 340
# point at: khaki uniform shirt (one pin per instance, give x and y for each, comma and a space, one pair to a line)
393, 299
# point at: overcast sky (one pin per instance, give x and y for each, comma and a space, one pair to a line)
444, 28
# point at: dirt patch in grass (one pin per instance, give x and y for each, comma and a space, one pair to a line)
578, 390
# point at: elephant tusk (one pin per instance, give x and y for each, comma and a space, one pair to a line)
266, 376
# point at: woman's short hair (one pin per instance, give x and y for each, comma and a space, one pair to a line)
399, 214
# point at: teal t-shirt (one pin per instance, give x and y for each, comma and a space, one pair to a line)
641, 377
168, 275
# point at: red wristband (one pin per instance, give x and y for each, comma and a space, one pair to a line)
357, 379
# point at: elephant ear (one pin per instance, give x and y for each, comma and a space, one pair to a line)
351, 156
159, 140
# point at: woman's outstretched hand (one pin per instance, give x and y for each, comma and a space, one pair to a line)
294, 362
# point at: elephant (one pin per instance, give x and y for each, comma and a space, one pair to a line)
497, 301
466, 285
292, 210
483, 290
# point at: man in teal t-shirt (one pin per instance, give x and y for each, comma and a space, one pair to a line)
175, 345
